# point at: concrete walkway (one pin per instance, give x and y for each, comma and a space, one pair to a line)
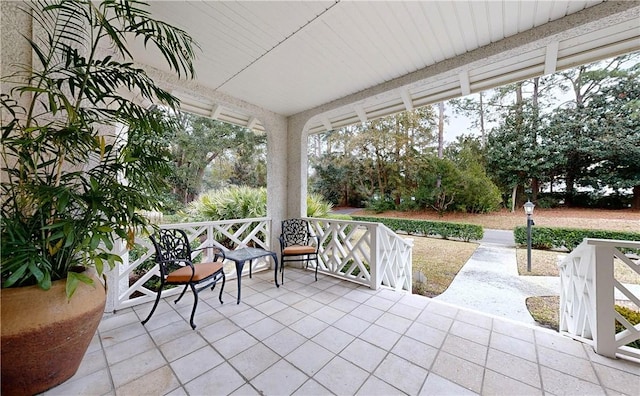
489, 282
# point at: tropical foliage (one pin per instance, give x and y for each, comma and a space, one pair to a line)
79, 157
242, 202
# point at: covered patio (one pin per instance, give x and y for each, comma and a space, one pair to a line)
290, 69
335, 337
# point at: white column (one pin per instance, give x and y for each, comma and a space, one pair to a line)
604, 339
376, 277
277, 176
297, 170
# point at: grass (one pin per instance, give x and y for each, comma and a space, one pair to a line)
545, 263
597, 219
439, 260
545, 310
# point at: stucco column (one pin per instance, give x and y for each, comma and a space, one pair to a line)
277, 196
297, 169
16, 24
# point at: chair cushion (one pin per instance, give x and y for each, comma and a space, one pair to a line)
183, 275
296, 250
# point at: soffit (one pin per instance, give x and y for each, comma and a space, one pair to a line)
292, 56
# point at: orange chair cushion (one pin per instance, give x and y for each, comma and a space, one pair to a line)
296, 250
183, 275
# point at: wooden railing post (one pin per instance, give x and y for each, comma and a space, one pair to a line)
376, 266
604, 336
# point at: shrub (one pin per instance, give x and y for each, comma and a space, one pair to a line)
566, 238
379, 205
465, 232
632, 317
239, 202
317, 206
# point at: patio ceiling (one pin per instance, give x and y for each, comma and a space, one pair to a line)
349, 61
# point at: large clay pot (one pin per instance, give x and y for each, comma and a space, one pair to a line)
45, 335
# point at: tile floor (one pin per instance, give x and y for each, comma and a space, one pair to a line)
334, 337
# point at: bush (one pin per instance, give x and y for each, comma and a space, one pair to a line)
228, 203
632, 317
242, 203
378, 205
465, 232
337, 216
317, 206
566, 238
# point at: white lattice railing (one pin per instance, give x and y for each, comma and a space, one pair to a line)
588, 296
238, 233
363, 252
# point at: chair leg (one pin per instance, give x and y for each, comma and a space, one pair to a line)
224, 280
195, 304
282, 270
181, 294
155, 305
316, 269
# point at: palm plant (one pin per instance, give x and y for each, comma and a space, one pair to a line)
79, 155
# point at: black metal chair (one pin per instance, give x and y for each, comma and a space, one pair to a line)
173, 256
297, 244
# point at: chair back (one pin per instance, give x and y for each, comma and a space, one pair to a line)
172, 249
295, 232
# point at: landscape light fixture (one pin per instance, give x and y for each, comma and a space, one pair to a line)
528, 210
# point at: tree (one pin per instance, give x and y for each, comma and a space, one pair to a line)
616, 111
199, 141
576, 130
379, 158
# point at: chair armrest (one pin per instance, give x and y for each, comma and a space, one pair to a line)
317, 241
218, 252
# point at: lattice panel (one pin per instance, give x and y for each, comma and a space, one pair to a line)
588, 294
395, 258
345, 249
577, 284
630, 333
353, 250
240, 233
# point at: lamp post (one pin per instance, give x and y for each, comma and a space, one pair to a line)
528, 209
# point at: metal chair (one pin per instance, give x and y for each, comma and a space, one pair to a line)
297, 244
173, 256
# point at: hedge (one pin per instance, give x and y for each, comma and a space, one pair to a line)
462, 231
567, 238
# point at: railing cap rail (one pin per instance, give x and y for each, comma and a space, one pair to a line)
612, 242
217, 222
340, 221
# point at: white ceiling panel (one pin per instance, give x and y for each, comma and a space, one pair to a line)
292, 56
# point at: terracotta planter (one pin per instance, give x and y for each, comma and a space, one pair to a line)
45, 336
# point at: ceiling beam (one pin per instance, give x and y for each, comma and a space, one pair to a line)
327, 124
253, 121
465, 84
215, 111
362, 115
551, 57
406, 98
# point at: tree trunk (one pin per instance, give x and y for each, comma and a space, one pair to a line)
440, 129
569, 189
635, 203
513, 198
440, 137
535, 184
482, 134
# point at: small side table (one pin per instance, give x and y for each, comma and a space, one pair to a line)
240, 256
